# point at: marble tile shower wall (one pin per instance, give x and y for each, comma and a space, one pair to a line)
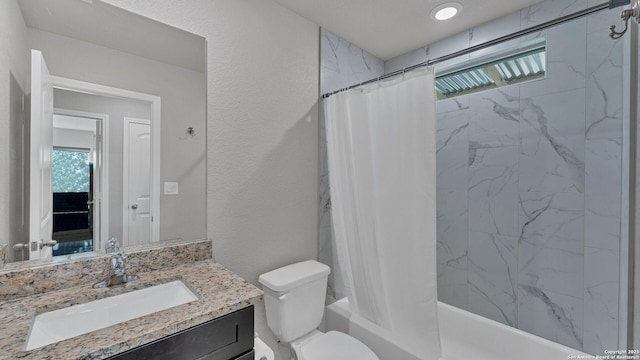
529, 181
341, 64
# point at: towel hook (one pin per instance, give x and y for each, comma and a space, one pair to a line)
634, 13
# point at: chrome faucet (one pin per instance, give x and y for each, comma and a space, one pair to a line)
116, 272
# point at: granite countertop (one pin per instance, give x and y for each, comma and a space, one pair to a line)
220, 292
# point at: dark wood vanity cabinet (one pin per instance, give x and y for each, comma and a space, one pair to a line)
229, 337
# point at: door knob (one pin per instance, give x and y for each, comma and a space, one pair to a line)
134, 206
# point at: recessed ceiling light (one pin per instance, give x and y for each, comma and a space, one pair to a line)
446, 11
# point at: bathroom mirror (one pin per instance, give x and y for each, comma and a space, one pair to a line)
107, 130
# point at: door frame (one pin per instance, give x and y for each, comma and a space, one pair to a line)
155, 102
103, 173
125, 176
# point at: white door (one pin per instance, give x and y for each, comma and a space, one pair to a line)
137, 182
41, 197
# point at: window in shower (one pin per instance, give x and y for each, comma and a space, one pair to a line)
511, 66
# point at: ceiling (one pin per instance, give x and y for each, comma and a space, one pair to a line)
388, 28
112, 27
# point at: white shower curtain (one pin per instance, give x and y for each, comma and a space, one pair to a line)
382, 173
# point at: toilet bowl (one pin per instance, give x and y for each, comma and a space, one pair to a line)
332, 345
294, 300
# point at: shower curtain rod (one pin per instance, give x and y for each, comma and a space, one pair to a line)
611, 4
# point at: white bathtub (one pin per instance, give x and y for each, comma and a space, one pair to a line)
463, 336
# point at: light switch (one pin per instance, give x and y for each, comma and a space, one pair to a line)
171, 188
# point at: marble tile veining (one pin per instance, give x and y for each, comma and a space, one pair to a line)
603, 186
604, 77
493, 190
493, 272
343, 64
493, 30
495, 120
550, 267
566, 62
409, 59
556, 317
601, 285
452, 104
452, 246
552, 142
549, 10
452, 150
326, 242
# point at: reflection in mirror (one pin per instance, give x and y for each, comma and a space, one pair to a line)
117, 147
73, 180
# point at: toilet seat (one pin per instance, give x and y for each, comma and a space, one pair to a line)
335, 345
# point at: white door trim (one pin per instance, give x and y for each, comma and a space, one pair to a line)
155, 102
104, 170
125, 180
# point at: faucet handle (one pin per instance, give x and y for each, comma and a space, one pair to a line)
118, 263
112, 247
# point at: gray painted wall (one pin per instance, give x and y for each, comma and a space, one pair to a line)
14, 61
18, 172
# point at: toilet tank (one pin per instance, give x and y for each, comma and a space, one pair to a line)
294, 298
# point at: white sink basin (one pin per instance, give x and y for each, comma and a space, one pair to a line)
58, 325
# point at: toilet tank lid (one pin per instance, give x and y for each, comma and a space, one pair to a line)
290, 276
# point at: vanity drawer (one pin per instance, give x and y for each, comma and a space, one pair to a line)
251, 355
224, 338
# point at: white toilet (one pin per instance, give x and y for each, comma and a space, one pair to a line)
294, 300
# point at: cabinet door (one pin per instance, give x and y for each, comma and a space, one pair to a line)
224, 338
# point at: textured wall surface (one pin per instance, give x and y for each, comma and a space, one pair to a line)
530, 183
14, 61
262, 131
